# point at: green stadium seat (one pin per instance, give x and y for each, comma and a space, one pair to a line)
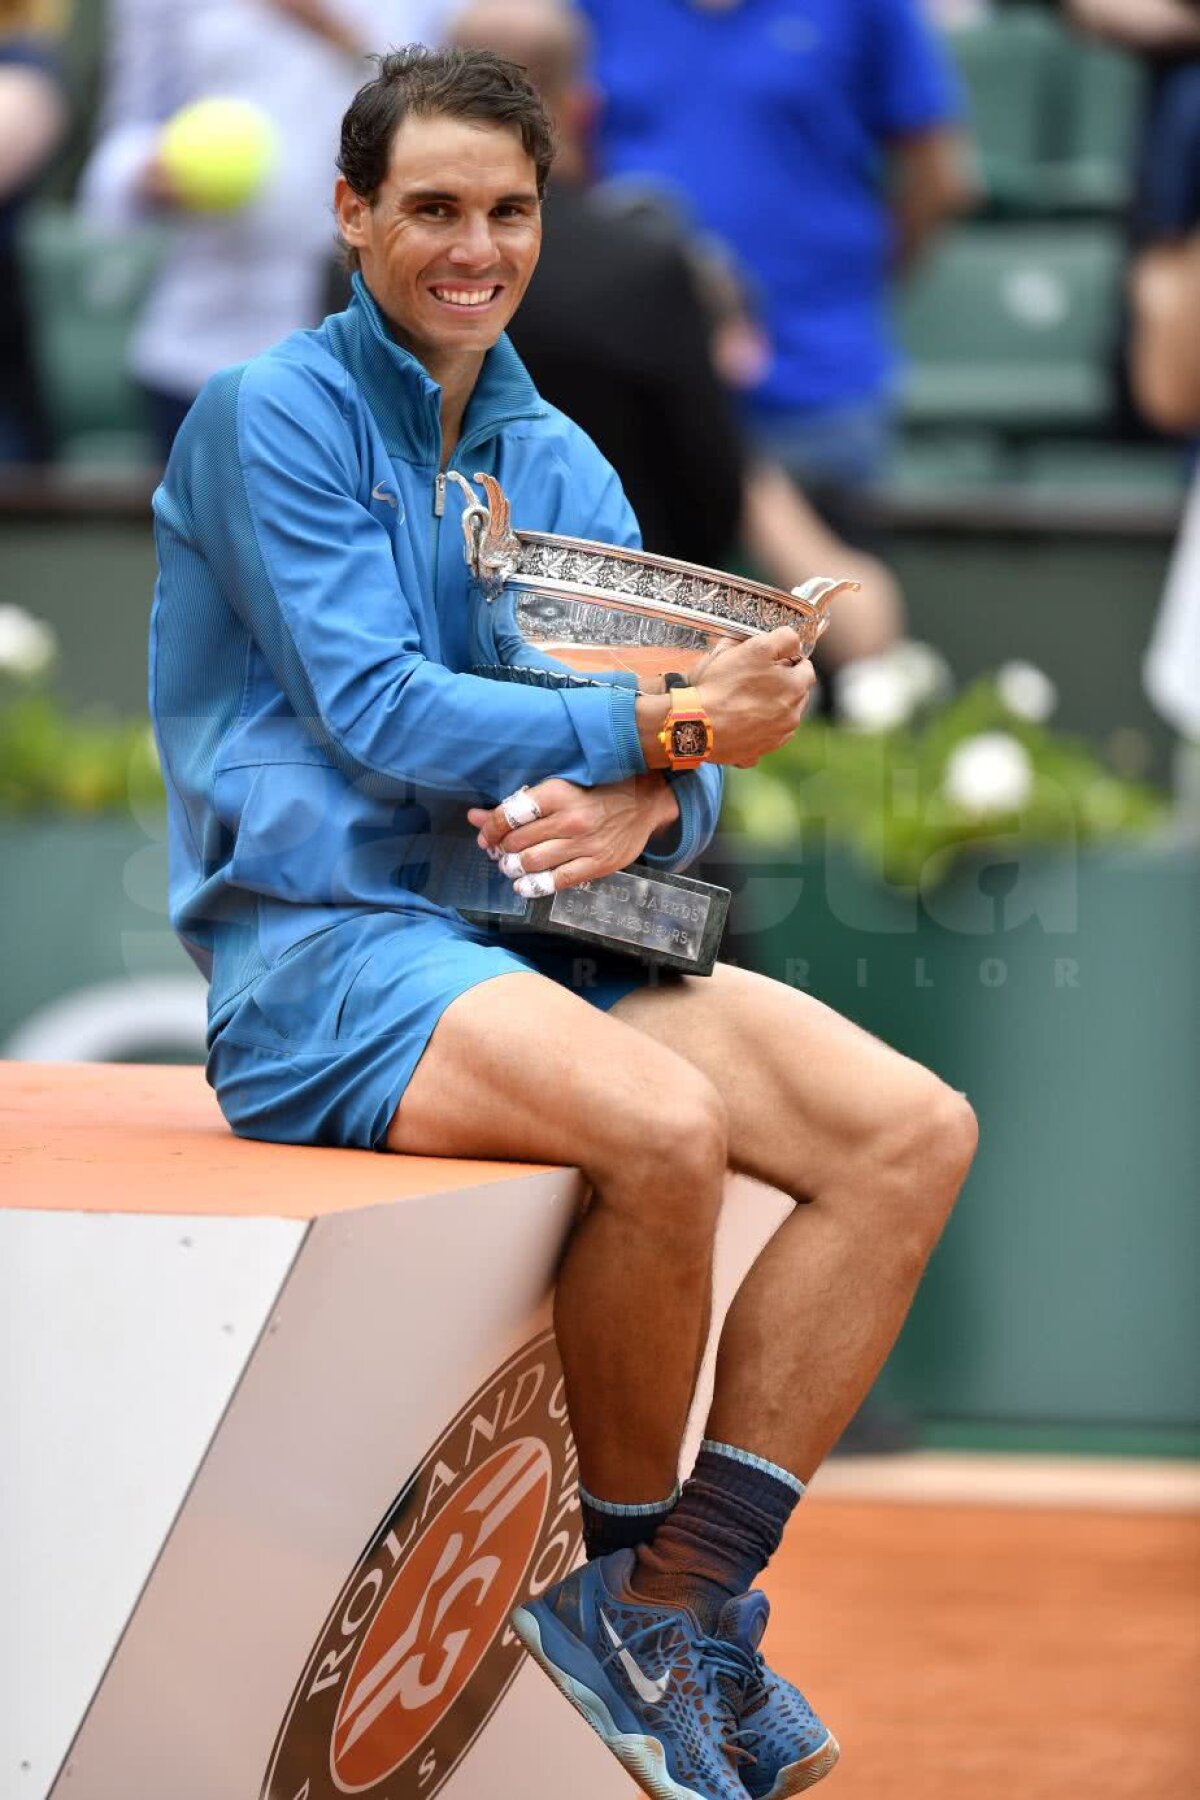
85, 289
1012, 327
1093, 131
1009, 67
1054, 117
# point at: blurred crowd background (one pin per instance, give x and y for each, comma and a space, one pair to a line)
902, 289
816, 274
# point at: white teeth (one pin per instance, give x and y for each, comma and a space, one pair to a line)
465, 296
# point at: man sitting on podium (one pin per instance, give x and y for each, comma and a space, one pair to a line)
335, 774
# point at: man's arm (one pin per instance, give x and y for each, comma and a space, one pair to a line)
933, 181
1151, 25
790, 542
1164, 288
915, 105
690, 821
333, 27
33, 116
311, 573
144, 85
1164, 278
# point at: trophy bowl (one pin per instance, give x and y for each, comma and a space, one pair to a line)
560, 611
569, 607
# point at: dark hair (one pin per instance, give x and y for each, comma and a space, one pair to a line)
454, 84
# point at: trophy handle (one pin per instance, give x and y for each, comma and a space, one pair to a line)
820, 592
491, 543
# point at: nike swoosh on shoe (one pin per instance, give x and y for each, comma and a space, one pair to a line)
652, 1691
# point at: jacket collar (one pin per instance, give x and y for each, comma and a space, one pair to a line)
405, 401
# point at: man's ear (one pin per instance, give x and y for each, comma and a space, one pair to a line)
352, 213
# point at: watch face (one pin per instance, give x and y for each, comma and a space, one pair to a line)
689, 737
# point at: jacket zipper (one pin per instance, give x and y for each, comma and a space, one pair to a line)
439, 496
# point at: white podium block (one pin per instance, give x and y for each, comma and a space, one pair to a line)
291, 1441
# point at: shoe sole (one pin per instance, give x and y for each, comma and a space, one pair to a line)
642, 1757
798, 1776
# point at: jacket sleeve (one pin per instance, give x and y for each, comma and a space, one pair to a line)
312, 575
698, 793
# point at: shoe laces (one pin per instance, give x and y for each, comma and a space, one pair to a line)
733, 1677
739, 1688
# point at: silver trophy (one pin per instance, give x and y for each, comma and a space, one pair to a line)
556, 611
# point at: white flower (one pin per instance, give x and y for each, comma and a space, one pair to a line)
877, 693
989, 773
28, 646
1026, 692
924, 669
873, 695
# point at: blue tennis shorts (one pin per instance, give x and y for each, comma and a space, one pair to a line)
322, 1047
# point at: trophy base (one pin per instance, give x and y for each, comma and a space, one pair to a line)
666, 921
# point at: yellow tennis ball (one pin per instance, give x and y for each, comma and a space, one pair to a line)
217, 153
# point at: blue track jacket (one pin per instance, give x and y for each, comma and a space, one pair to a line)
320, 731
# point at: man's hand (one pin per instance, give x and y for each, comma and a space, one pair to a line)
582, 834
755, 694
157, 189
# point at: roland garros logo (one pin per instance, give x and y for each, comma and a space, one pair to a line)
416, 1654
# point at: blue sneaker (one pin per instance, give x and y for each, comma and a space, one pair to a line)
645, 1677
787, 1748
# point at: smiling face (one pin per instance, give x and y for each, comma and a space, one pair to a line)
453, 236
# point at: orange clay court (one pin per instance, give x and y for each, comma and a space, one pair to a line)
1047, 1649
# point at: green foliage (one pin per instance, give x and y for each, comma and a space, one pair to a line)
54, 761
883, 794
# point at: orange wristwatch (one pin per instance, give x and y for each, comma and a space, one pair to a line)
687, 735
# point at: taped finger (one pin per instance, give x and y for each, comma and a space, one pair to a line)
520, 808
536, 887
511, 864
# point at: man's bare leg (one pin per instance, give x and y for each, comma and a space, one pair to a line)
875, 1145
520, 1069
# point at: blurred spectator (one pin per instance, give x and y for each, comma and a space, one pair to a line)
613, 331
1165, 365
1164, 352
1165, 33
33, 117
1165, 276
823, 144
232, 283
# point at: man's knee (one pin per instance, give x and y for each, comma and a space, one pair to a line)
672, 1148
923, 1150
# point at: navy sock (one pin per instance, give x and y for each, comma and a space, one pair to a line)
608, 1525
723, 1530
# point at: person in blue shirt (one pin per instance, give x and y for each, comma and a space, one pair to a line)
821, 140
336, 774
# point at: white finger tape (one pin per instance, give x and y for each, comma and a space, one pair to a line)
511, 864
520, 808
535, 887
